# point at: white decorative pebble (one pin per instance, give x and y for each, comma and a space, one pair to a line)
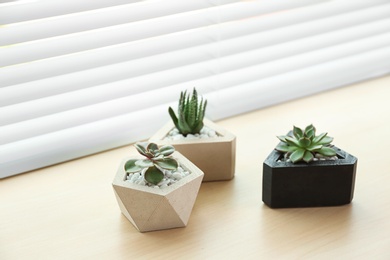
134, 177
177, 176
205, 132
170, 178
212, 133
177, 137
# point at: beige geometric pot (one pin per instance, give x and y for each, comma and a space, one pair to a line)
150, 209
215, 156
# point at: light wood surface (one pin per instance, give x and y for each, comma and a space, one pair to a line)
69, 211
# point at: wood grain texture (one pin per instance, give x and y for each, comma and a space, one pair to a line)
69, 211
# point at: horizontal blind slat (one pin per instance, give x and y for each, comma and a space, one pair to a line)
57, 85
122, 52
19, 11
77, 42
88, 114
34, 153
44, 106
100, 18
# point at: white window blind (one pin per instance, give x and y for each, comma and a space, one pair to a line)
79, 77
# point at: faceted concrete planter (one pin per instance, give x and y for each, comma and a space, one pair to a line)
216, 156
319, 183
150, 209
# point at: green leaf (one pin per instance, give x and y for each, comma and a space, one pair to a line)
167, 150
298, 133
282, 138
153, 175
284, 148
152, 147
167, 163
309, 128
141, 148
310, 131
297, 155
310, 134
281, 147
292, 141
192, 109
131, 167
173, 116
202, 110
326, 140
314, 148
144, 163
198, 127
184, 128
308, 156
319, 137
327, 151
304, 142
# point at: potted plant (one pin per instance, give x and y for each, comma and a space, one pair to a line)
159, 191
305, 170
207, 145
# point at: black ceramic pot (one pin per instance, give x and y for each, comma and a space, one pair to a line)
314, 184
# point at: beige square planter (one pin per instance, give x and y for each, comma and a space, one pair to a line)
216, 157
150, 209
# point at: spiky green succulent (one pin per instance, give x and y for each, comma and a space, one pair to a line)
190, 113
304, 145
157, 160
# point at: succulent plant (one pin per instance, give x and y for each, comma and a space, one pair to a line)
190, 113
304, 145
157, 160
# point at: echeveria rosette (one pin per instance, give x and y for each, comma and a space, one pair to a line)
157, 159
190, 113
303, 145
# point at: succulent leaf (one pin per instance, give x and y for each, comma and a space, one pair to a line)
167, 150
167, 163
310, 133
130, 166
292, 141
153, 175
141, 148
297, 155
308, 156
326, 140
314, 148
304, 142
327, 151
298, 133
282, 148
303, 145
144, 163
318, 138
190, 113
173, 116
156, 160
309, 128
152, 147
